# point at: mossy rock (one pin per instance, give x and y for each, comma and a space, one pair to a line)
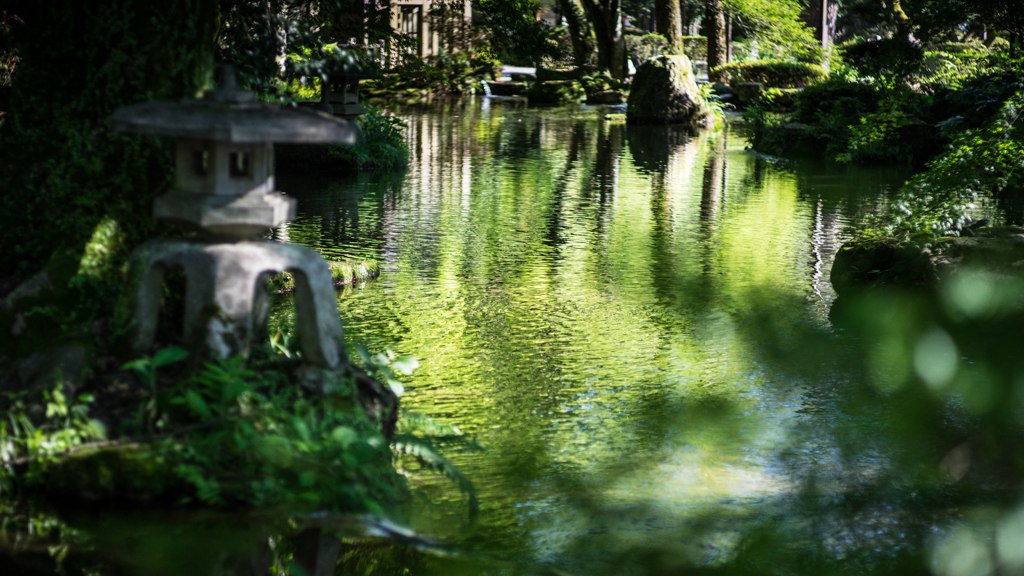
664, 92
116, 473
860, 266
352, 271
866, 265
749, 92
31, 315
343, 273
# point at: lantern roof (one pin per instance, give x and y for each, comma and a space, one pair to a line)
349, 73
233, 115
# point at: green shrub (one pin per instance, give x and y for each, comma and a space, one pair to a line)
562, 55
980, 162
951, 70
642, 48
1000, 44
224, 435
836, 96
773, 73
695, 48
828, 108
969, 47
383, 145
890, 56
516, 34
876, 138
645, 47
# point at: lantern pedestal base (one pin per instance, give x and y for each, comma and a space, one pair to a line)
225, 292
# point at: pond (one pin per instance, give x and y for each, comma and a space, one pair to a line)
578, 293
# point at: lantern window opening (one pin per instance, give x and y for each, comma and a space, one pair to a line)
201, 162
240, 165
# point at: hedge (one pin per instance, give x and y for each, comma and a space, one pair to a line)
773, 73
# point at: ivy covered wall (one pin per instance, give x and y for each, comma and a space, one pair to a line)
76, 197
63, 172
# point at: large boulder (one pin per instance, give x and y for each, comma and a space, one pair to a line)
858, 267
873, 265
665, 92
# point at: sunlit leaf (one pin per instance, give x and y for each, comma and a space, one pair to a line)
198, 405
344, 435
167, 356
406, 365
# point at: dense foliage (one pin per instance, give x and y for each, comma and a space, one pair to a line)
225, 435
517, 36
66, 176
888, 104
886, 57
981, 162
448, 73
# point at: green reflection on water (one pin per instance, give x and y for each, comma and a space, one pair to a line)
573, 289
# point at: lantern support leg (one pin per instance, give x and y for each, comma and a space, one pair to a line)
222, 298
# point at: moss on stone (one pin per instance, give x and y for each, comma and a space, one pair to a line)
665, 92
132, 472
352, 271
343, 273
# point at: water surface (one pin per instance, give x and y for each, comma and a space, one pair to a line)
575, 290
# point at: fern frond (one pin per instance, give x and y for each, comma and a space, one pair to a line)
424, 452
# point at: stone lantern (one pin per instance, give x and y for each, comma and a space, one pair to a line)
341, 91
224, 187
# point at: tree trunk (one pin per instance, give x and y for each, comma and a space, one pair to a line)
669, 23
987, 36
606, 19
714, 27
728, 37
579, 31
899, 18
821, 17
